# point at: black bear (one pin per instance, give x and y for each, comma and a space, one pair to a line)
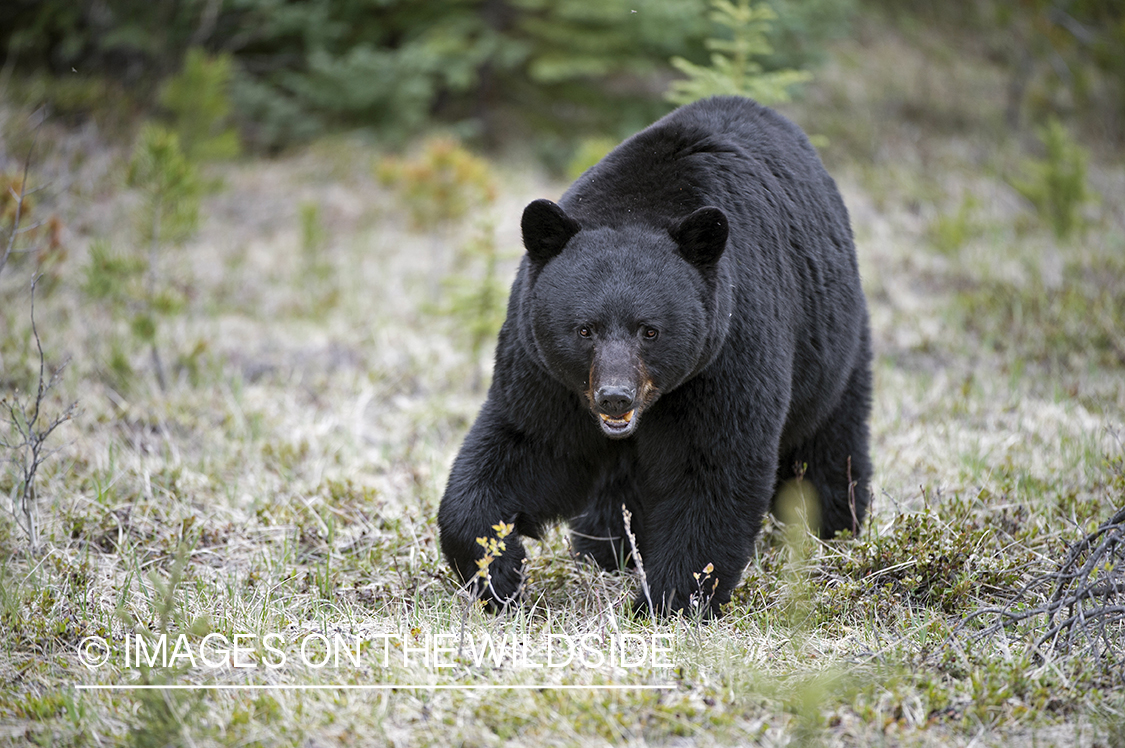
687, 331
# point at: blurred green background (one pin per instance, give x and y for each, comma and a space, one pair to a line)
494, 70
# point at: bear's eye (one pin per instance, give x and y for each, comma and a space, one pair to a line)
649, 333
584, 331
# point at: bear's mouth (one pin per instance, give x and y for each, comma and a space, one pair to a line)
620, 426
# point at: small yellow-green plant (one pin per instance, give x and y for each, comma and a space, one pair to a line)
1056, 184
493, 548
169, 185
734, 69
171, 190
798, 507
313, 235
317, 277
442, 185
705, 586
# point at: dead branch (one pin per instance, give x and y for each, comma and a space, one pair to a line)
1085, 610
28, 451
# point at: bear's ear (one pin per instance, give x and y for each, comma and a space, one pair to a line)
546, 230
702, 236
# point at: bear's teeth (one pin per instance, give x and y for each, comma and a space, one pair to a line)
618, 421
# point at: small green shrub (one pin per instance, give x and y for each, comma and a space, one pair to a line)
921, 560
477, 297
949, 232
270, 118
1056, 184
169, 184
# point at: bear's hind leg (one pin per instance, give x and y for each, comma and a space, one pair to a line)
835, 460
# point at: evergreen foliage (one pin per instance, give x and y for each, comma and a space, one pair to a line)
170, 186
735, 62
564, 65
197, 100
803, 27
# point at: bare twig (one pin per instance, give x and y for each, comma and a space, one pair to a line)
628, 516
28, 451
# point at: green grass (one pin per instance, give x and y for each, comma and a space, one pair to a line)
288, 480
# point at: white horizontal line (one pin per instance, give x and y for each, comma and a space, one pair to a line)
353, 687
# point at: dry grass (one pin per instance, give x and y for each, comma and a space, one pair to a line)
288, 480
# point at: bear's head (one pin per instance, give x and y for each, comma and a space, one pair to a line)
622, 315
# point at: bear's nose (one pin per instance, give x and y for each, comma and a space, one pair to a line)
615, 400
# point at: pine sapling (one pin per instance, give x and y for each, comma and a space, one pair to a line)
734, 69
169, 214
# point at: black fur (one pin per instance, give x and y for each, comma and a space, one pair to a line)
687, 327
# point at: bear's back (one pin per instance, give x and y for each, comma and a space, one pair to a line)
724, 151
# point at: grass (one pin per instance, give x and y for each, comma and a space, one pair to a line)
287, 481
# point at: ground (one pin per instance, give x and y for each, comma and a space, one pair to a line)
288, 480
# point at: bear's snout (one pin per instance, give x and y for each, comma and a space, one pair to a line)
617, 408
615, 400
618, 387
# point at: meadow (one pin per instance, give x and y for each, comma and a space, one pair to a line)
253, 544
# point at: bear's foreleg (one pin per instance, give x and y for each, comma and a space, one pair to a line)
504, 484
699, 534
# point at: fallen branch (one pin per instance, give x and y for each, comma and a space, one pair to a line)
1086, 607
